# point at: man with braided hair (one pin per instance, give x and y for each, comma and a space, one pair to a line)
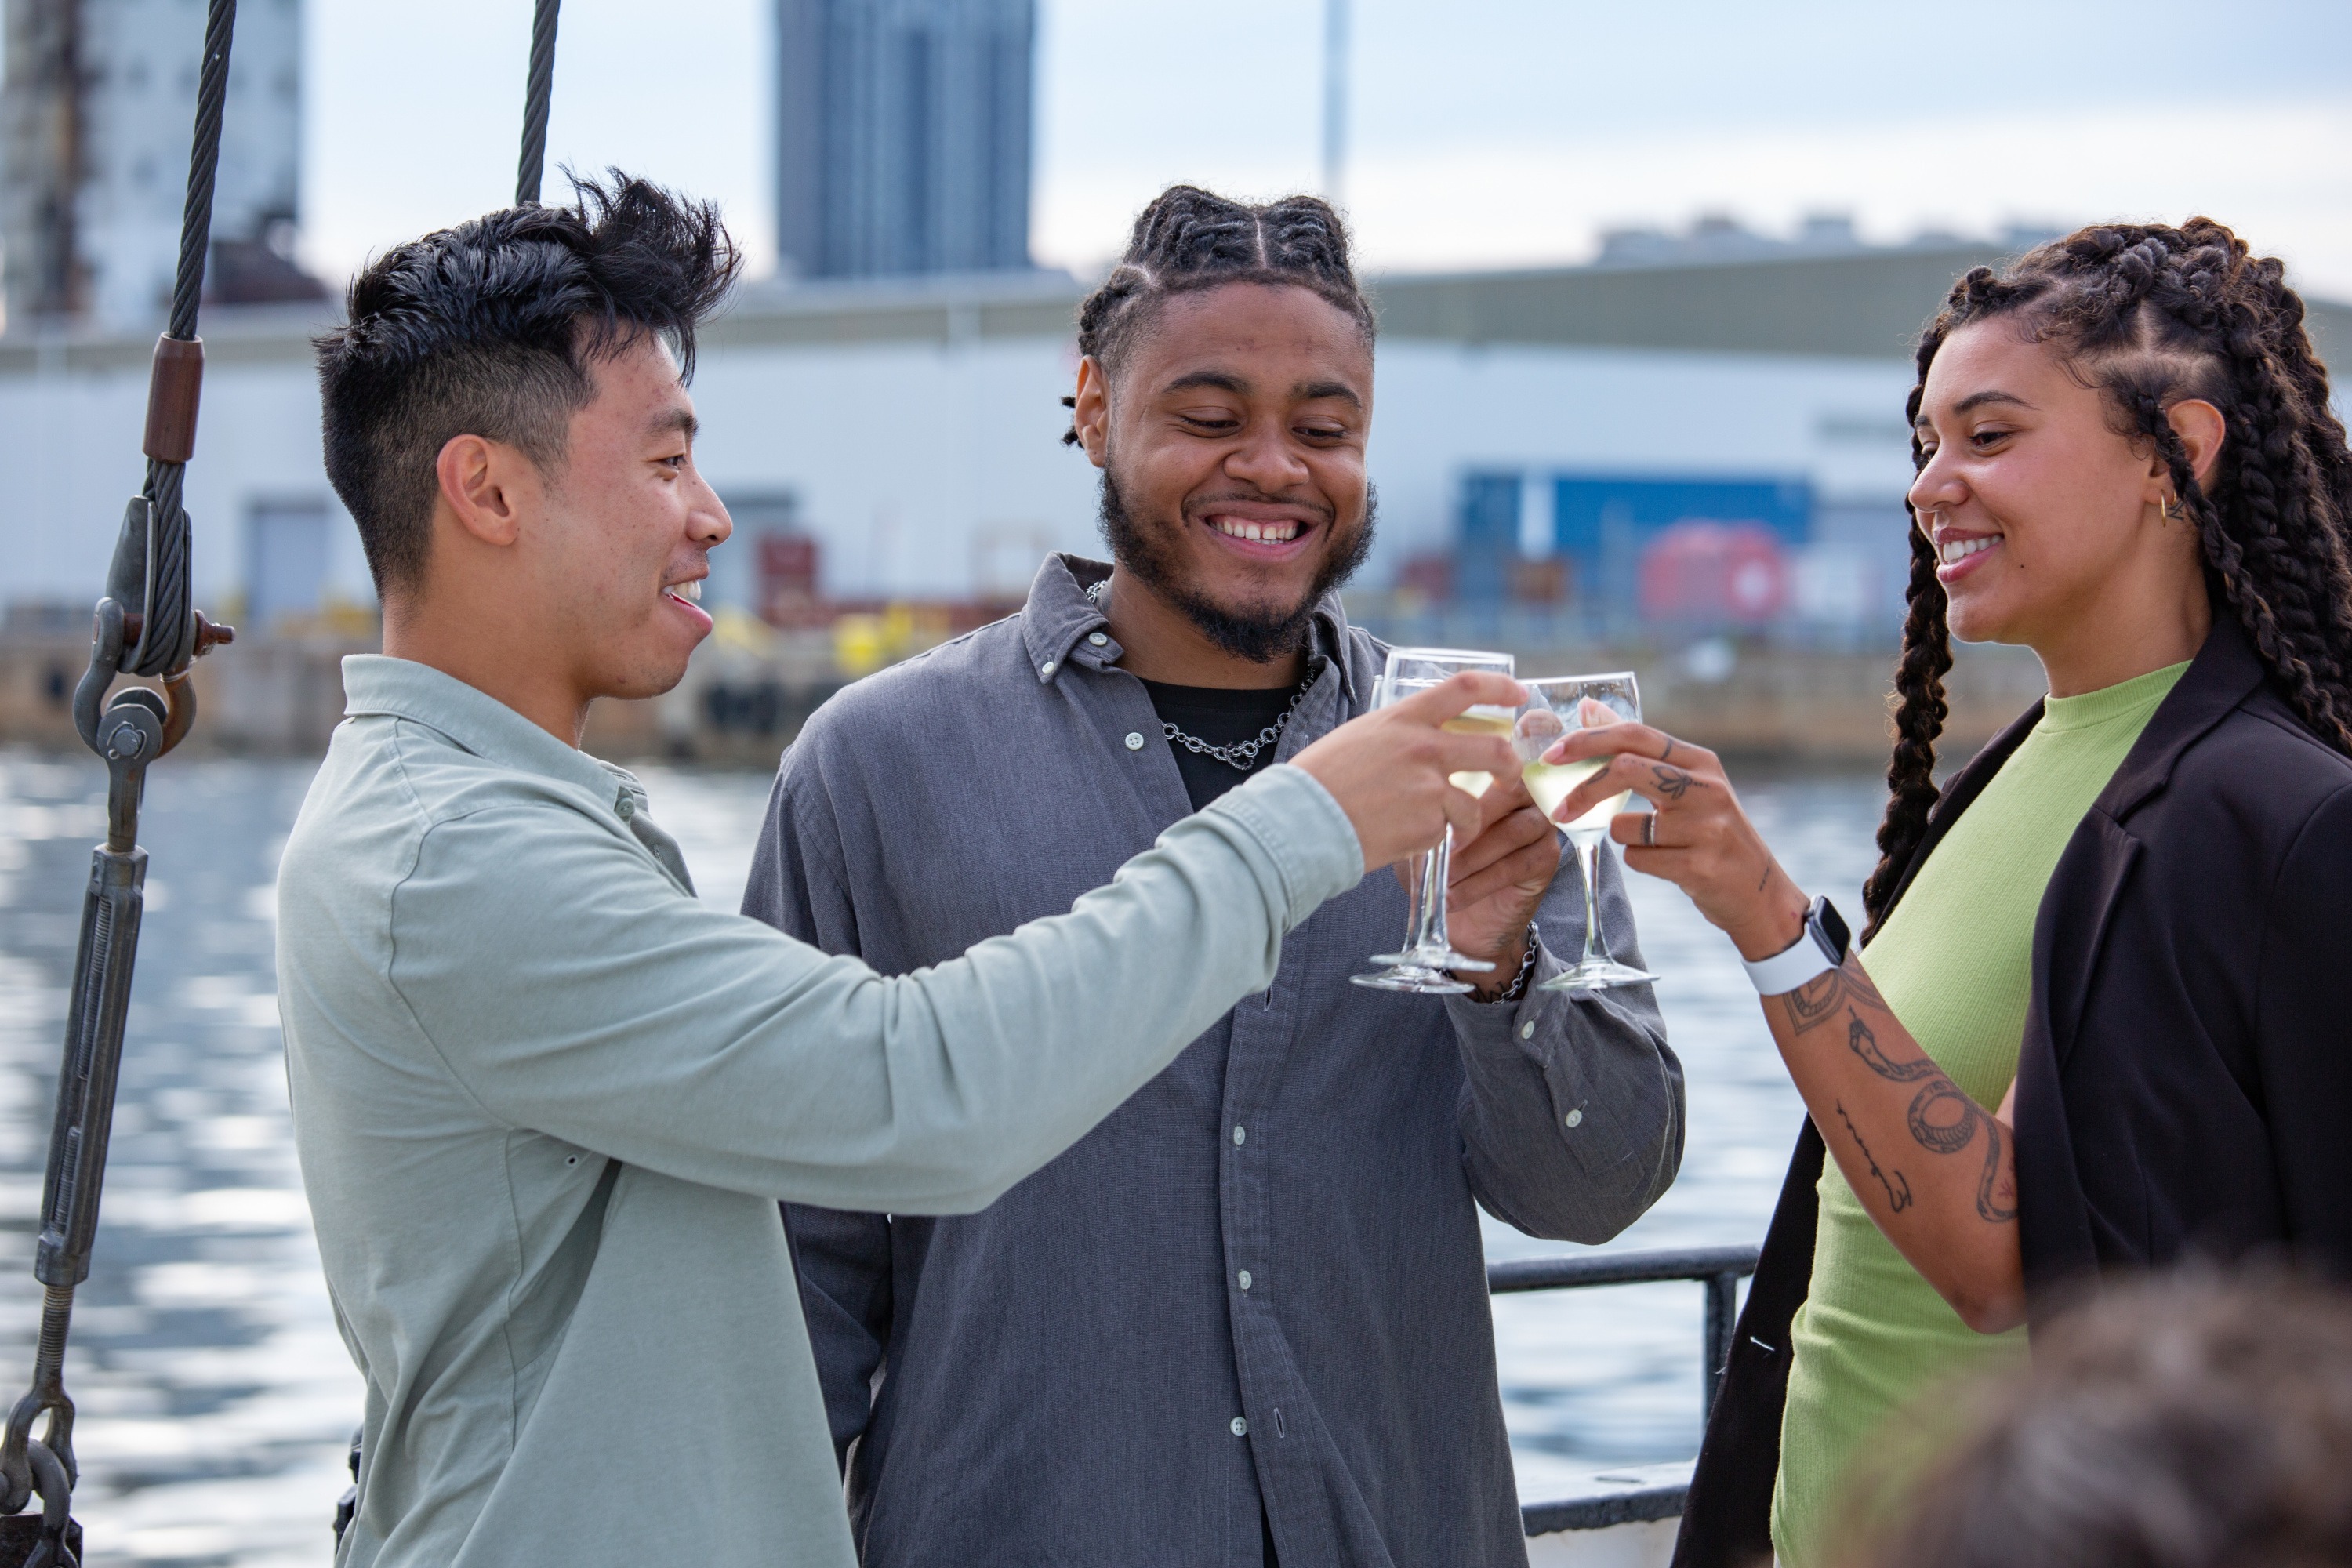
2102, 1023
1246, 1319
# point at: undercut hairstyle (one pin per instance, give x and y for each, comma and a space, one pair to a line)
489, 329
1189, 240
2188, 1422
2151, 316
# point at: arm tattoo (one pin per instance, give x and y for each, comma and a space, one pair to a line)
1863, 1043
1942, 1118
1817, 1001
1898, 1190
1996, 1197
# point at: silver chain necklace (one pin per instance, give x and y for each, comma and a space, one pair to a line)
1238, 755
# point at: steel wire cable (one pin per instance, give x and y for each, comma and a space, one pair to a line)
539, 90
169, 638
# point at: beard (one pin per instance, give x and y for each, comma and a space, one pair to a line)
1257, 634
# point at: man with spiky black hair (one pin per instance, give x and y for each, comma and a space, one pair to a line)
545, 1100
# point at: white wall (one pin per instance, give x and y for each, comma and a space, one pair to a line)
907, 457
69, 462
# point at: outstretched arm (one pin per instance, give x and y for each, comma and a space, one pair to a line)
1933, 1168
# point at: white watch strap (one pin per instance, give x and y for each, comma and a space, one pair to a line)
1803, 960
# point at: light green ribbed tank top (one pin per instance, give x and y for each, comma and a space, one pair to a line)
1955, 964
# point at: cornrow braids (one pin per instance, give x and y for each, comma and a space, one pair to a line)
2152, 315
1189, 239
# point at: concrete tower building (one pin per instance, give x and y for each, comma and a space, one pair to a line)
903, 132
96, 118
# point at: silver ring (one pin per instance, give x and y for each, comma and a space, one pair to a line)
1650, 831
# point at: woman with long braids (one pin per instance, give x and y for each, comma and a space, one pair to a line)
2100, 1017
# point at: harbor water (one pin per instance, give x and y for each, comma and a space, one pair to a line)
215, 1396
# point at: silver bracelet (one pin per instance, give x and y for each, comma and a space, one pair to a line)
1518, 989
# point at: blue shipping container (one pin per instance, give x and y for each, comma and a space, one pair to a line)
1588, 507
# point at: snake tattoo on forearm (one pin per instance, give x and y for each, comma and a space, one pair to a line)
1942, 1118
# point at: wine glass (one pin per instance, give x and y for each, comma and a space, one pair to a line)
1557, 707
1428, 954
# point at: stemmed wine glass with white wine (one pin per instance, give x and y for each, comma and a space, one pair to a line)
1556, 707
1428, 954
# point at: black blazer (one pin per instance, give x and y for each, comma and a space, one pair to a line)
2184, 1084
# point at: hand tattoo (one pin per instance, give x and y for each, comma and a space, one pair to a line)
1996, 1197
1672, 783
1898, 1191
1669, 751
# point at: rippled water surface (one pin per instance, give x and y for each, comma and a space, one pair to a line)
215, 1396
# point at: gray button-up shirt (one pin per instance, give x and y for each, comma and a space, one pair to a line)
1259, 1284
546, 1101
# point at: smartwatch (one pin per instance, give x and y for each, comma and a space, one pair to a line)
1818, 948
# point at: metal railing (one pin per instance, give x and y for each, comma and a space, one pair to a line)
1719, 1269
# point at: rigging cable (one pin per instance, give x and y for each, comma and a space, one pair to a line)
539, 90
146, 625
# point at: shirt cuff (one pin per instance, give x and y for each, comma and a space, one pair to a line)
1509, 1026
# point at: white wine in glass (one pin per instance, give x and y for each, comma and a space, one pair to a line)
1495, 722
1428, 953
1552, 783
1557, 707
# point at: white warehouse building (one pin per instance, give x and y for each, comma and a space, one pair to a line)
912, 429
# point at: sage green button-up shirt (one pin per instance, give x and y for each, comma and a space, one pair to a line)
545, 1102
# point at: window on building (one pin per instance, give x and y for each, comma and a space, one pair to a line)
286, 550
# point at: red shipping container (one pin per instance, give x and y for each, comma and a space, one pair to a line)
1714, 573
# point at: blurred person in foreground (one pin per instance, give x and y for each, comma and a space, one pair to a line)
545, 1100
2102, 1021
2187, 1423
1246, 1318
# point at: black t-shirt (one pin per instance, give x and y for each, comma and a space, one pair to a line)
1219, 716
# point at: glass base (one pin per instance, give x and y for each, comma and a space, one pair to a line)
1597, 977
1422, 958
1408, 976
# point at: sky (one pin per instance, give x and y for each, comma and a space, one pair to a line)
1482, 132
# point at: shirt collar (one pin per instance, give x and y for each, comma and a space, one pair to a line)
403, 689
1059, 620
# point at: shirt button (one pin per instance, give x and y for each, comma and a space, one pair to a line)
626, 807
1134, 741
1046, 669
1241, 1134
1241, 1427
1096, 638
1574, 1118
1242, 1280
1527, 1030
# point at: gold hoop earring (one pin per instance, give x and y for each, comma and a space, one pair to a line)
2173, 511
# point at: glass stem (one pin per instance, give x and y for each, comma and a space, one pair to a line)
1587, 854
1416, 878
1429, 940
